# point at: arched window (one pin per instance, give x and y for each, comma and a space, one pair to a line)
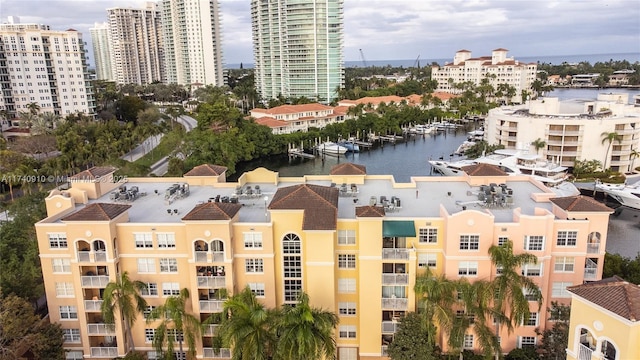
217, 248
608, 350
292, 266
100, 248
201, 248
593, 243
82, 250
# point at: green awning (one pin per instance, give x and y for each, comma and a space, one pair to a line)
399, 228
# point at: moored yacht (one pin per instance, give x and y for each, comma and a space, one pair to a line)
329, 147
626, 194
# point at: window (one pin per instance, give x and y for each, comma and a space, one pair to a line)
146, 265
468, 268
74, 355
346, 261
559, 289
292, 289
150, 290
149, 334
427, 260
564, 264
292, 266
526, 341
61, 265
346, 286
170, 288
533, 319
468, 341
347, 353
347, 308
346, 237
71, 335
534, 243
253, 265
57, 241
147, 312
567, 238
502, 240
168, 265
347, 331
428, 235
252, 240
176, 334
68, 312
531, 295
143, 240
257, 289
166, 240
469, 242
64, 289
532, 269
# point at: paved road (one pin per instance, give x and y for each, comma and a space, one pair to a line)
142, 149
162, 166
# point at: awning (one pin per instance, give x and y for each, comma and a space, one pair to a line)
399, 228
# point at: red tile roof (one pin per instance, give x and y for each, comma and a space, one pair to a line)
213, 211
580, 203
93, 173
271, 122
319, 203
292, 109
369, 211
614, 294
206, 170
348, 169
483, 169
98, 212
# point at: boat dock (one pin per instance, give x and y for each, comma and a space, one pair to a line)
295, 152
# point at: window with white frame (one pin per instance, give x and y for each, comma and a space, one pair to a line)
150, 290
531, 294
153, 355
147, 311
143, 240
178, 335
64, 289
252, 240
257, 289
61, 266
526, 341
168, 265
253, 265
427, 260
564, 264
170, 288
347, 331
345, 353
428, 235
346, 237
149, 334
468, 341
57, 240
346, 261
347, 308
146, 265
71, 335
346, 285
532, 269
74, 355
534, 243
292, 266
502, 240
468, 268
68, 312
469, 242
559, 289
533, 319
567, 238
499, 269
166, 240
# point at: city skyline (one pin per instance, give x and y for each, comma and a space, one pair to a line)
386, 31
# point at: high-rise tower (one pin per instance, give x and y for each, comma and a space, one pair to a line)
297, 48
101, 51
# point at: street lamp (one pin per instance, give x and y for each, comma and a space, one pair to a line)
266, 198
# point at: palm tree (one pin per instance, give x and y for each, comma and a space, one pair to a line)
33, 107
538, 144
176, 324
305, 332
510, 305
633, 155
246, 329
610, 137
123, 297
436, 296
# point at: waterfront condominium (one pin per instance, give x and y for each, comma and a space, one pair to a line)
192, 42
354, 242
43, 66
101, 51
136, 45
297, 48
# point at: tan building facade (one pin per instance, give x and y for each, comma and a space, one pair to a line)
354, 242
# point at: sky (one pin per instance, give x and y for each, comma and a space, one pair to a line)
406, 29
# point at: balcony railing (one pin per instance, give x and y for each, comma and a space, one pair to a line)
395, 279
92, 305
401, 254
389, 327
593, 248
590, 273
211, 305
100, 256
584, 352
104, 352
201, 256
217, 353
89, 256
383, 350
211, 329
83, 256
99, 281
101, 329
395, 303
218, 256
211, 282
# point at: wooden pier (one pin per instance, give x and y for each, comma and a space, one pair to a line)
295, 152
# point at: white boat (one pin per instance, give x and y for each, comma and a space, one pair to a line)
513, 162
466, 145
329, 147
627, 195
475, 135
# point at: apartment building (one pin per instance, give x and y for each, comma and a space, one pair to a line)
192, 42
572, 130
354, 242
298, 48
497, 69
136, 46
286, 119
102, 51
43, 66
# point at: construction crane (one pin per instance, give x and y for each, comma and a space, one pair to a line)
364, 61
417, 62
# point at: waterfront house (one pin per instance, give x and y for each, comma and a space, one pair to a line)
286, 119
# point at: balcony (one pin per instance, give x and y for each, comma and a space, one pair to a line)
217, 353
395, 303
83, 256
211, 330
98, 281
90, 256
92, 305
100, 256
590, 273
383, 350
584, 352
395, 253
211, 282
101, 329
104, 352
593, 248
395, 279
211, 305
389, 327
201, 256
